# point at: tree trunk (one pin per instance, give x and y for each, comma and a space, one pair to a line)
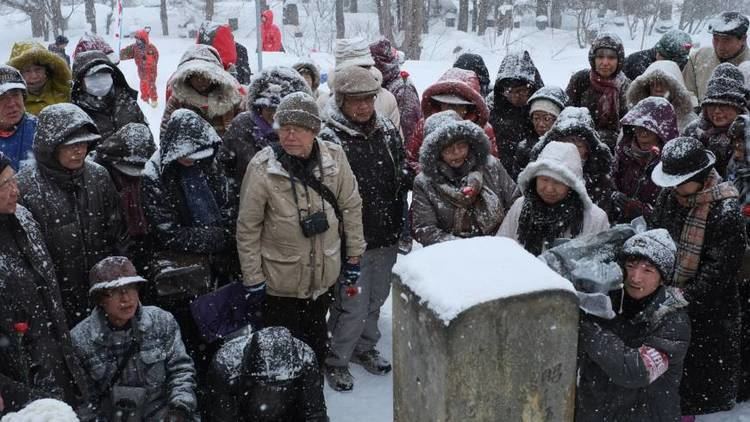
38, 23
56, 19
556, 14
209, 9
413, 33
91, 15
353, 6
463, 15
163, 17
340, 27
482, 16
400, 14
504, 16
385, 20
474, 11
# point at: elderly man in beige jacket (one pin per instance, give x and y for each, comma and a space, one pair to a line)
299, 206
729, 45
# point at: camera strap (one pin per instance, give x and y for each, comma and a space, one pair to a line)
132, 350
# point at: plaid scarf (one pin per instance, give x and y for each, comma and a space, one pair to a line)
690, 244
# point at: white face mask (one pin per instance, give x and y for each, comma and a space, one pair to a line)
99, 84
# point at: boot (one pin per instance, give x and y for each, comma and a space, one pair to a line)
339, 378
372, 362
154, 103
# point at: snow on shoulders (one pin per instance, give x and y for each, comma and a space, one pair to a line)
454, 276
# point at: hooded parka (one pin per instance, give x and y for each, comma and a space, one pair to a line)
597, 170
146, 58
439, 210
266, 375
112, 111
270, 33
668, 73
583, 93
57, 88
633, 167
40, 363
78, 212
512, 125
461, 83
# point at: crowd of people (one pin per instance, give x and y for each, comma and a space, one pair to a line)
230, 271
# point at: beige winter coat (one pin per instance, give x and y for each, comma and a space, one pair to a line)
701, 64
385, 102
270, 242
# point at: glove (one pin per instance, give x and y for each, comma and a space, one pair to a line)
256, 294
738, 127
349, 275
619, 199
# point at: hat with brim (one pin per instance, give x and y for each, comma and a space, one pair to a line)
10, 79
201, 154
451, 99
682, 158
113, 284
128, 169
98, 68
82, 135
111, 273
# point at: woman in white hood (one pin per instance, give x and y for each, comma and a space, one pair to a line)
554, 202
663, 78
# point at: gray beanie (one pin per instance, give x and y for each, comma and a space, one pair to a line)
656, 246
299, 109
354, 81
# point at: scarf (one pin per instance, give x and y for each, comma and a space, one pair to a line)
473, 215
200, 200
129, 188
540, 224
608, 105
690, 245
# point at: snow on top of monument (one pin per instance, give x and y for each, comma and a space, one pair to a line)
451, 277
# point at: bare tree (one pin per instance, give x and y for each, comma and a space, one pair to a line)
385, 19
163, 17
463, 15
91, 15
584, 12
209, 9
482, 14
44, 14
340, 28
412, 45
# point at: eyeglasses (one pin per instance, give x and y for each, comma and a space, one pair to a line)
289, 130
545, 118
127, 290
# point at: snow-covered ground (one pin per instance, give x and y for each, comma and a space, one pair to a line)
554, 52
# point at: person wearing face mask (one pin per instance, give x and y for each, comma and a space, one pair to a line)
554, 202
602, 88
574, 125
646, 128
724, 105
630, 366
462, 191
101, 90
46, 74
702, 213
74, 201
663, 79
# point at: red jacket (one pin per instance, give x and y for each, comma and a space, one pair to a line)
463, 83
146, 56
270, 32
220, 37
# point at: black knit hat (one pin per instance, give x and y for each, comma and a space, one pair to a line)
4, 162
726, 86
681, 159
729, 23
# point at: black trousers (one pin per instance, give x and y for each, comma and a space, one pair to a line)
305, 318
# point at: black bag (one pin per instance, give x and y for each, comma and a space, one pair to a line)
180, 274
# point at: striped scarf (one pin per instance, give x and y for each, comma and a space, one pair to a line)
690, 244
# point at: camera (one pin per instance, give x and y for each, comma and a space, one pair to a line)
313, 224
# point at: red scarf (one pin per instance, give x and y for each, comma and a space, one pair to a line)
608, 105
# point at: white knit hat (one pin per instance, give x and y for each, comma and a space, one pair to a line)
352, 52
546, 106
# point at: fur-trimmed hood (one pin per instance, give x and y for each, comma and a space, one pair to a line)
222, 99
30, 52
272, 84
448, 134
668, 72
463, 83
310, 67
577, 121
561, 161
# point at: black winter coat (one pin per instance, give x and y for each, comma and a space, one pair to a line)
78, 212
40, 363
244, 74
376, 154
165, 204
582, 94
712, 364
266, 375
112, 111
615, 383
244, 137
637, 63
512, 125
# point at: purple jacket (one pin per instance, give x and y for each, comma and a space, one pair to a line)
398, 83
633, 167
